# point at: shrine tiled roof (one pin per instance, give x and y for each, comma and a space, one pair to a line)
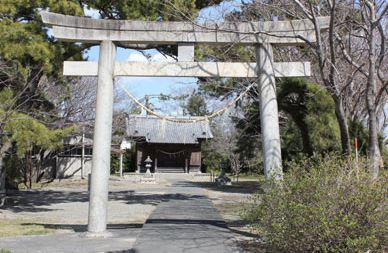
152, 129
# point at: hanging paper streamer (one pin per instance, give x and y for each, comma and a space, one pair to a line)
172, 154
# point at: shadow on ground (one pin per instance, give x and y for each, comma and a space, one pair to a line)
37, 201
123, 251
247, 187
83, 228
217, 223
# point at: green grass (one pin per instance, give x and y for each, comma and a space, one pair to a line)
234, 209
21, 227
5, 251
67, 183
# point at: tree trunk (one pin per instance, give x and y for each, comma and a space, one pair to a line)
374, 150
4, 148
304, 132
300, 122
343, 124
29, 164
329, 79
2, 182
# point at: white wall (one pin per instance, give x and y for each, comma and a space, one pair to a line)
71, 167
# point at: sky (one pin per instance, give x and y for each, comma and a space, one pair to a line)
141, 86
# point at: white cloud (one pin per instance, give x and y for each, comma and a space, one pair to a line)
137, 57
91, 13
217, 13
157, 57
162, 58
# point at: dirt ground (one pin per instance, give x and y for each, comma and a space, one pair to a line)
63, 205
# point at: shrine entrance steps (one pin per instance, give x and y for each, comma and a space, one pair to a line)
160, 177
195, 177
171, 170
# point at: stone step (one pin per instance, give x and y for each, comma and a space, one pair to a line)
170, 170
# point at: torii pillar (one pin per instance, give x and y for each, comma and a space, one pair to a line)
269, 116
98, 199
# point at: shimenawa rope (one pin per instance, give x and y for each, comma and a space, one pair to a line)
197, 119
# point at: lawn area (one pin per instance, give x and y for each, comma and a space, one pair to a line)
247, 184
64, 183
22, 227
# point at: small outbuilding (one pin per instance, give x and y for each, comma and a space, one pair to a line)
173, 146
76, 158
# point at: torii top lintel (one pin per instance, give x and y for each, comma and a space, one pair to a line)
82, 29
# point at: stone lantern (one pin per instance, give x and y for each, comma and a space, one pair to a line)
148, 164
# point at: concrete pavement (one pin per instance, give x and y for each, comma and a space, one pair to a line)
121, 240
184, 221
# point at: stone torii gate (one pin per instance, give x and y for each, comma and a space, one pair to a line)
185, 35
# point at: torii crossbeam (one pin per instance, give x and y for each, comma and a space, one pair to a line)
184, 34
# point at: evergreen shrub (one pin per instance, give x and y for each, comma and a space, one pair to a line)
323, 205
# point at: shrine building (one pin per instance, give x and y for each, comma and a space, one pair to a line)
173, 146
